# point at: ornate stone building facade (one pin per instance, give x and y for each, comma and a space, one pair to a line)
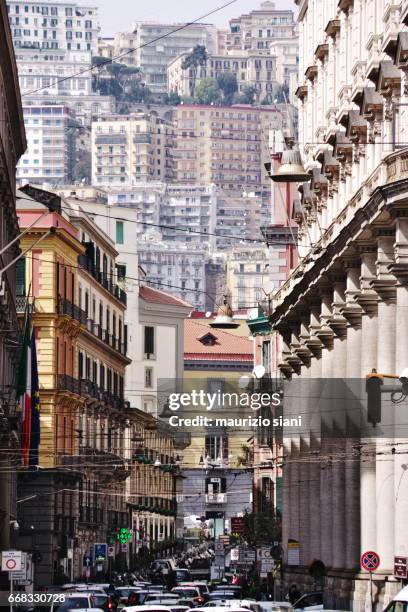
342, 312
12, 146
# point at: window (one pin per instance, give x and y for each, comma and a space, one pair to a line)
149, 341
148, 378
20, 277
241, 267
121, 271
119, 232
216, 447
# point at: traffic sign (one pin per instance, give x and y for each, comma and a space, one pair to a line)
401, 567
370, 561
219, 546
22, 573
87, 561
111, 551
11, 560
100, 552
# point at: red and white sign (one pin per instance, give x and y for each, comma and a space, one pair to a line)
11, 561
370, 561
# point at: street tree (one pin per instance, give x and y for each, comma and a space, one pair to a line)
227, 82
191, 62
208, 92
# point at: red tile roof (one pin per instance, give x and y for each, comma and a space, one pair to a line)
154, 296
228, 347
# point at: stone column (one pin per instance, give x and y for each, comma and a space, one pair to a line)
385, 286
353, 312
315, 345
337, 442
368, 301
400, 270
326, 334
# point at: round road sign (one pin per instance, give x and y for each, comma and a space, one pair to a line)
370, 561
11, 564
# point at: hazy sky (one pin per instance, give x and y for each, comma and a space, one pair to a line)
119, 15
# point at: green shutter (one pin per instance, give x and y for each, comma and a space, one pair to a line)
20, 277
279, 494
119, 232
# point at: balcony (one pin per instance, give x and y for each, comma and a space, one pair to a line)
87, 264
142, 138
65, 307
216, 498
86, 388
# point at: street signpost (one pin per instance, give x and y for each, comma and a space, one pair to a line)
11, 561
111, 551
401, 567
370, 561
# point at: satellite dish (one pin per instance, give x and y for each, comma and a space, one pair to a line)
208, 314
259, 371
244, 381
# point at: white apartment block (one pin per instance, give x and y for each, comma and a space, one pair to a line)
191, 209
259, 28
131, 148
239, 218
50, 154
50, 25
154, 58
178, 269
247, 276
251, 68
342, 313
44, 72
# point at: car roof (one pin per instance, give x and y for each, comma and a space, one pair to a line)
220, 609
402, 595
146, 607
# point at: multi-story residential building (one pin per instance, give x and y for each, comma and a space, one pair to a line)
191, 209
153, 56
224, 145
12, 146
261, 27
217, 483
247, 276
124, 42
176, 267
78, 315
286, 55
239, 218
45, 72
256, 68
341, 313
51, 137
106, 46
54, 26
131, 148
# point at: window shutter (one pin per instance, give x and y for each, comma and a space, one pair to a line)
149, 341
20, 276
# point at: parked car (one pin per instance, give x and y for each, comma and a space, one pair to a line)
222, 595
75, 601
399, 603
190, 592
124, 592
309, 601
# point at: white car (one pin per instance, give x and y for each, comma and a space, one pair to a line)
399, 603
75, 601
146, 608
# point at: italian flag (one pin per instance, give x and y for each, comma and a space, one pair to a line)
24, 391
